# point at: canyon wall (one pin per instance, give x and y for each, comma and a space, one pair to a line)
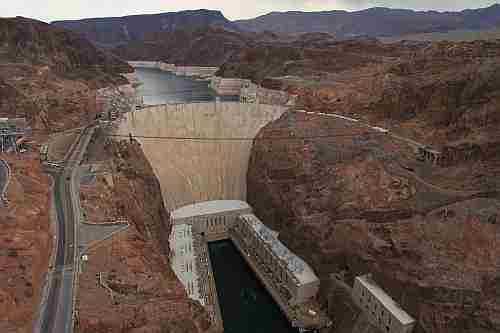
136, 289
344, 202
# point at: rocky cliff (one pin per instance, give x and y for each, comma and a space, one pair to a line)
28, 41
350, 200
143, 293
118, 30
441, 94
210, 46
49, 76
342, 199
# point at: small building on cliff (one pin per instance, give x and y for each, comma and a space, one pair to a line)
381, 310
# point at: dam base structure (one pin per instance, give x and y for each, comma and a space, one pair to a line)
289, 280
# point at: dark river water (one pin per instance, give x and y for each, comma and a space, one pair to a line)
245, 304
166, 88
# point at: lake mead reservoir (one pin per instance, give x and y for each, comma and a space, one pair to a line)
160, 87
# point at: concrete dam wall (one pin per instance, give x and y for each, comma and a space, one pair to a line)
192, 171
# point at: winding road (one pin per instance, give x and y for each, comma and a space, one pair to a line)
4, 179
56, 309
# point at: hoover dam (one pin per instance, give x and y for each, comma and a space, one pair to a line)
199, 151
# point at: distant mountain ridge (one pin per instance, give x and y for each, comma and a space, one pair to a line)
373, 22
119, 30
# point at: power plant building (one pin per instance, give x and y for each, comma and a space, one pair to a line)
381, 310
295, 280
289, 279
211, 219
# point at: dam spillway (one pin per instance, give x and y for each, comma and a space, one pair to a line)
196, 149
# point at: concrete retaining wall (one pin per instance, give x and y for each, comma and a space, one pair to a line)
195, 171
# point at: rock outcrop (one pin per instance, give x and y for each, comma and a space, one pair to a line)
33, 42
340, 198
136, 289
210, 46
49, 76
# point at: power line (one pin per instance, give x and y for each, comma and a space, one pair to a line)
194, 138
187, 138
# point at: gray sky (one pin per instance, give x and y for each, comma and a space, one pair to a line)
49, 10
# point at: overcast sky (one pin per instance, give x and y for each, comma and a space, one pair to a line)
49, 10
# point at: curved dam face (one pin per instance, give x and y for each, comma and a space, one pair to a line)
192, 171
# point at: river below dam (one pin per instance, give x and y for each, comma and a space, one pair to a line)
160, 87
245, 304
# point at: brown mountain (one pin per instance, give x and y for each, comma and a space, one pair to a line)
373, 22
203, 47
37, 43
50, 76
118, 30
356, 201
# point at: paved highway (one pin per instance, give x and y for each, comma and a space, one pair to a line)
4, 178
56, 311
